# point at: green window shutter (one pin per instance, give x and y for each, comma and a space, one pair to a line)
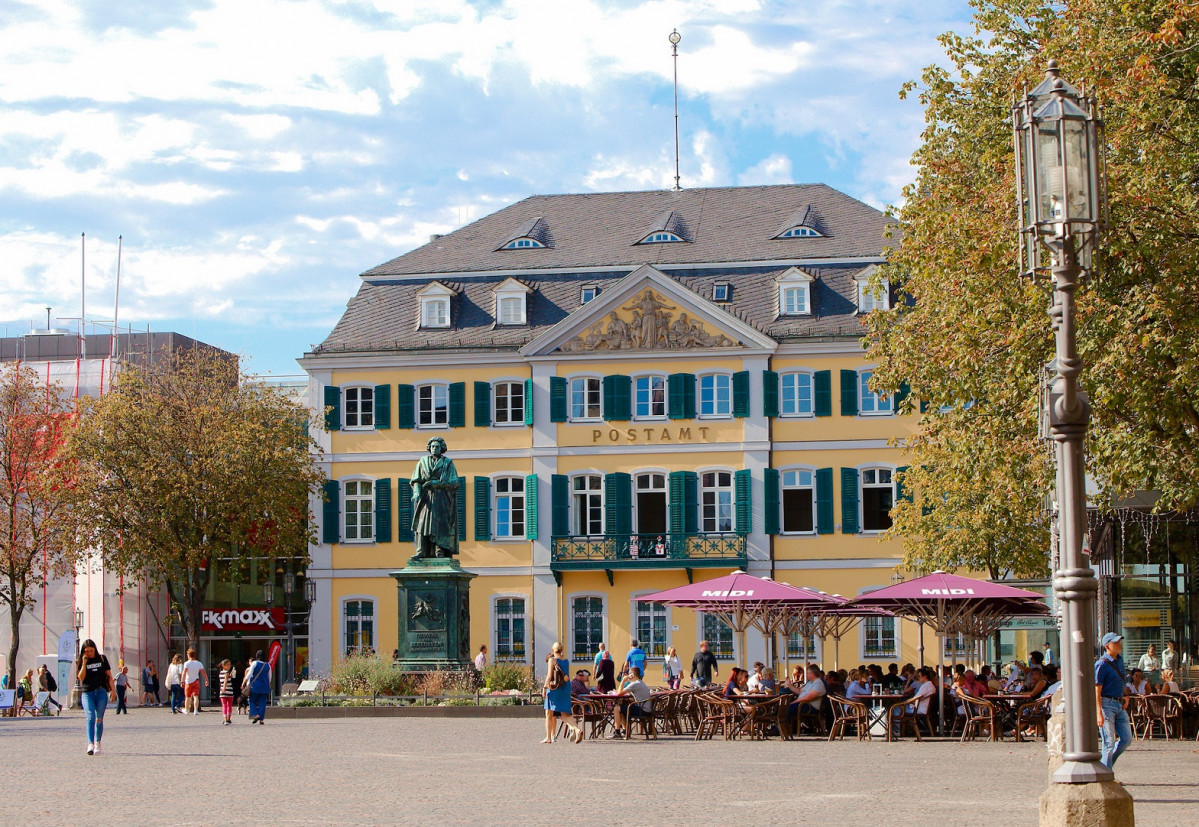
405, 406
461, 504
457, 405
690, 502
680, 396
482, 508
770, 393
531, 507
770, 500
404, 511
382, 407
383, 511
331, 513
332, 408
902, 394
529, 402
822, 392
618, 503
824, 501
902, 492
482, 404
560, 505
618, 398
557, 399
743, 522
849, 393
677, 523
741, 394
849, 501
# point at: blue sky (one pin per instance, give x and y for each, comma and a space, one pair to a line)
257, 155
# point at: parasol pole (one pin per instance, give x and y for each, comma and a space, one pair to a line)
941, 666
920, 623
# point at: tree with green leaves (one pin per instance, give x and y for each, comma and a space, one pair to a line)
184, 463
970, 332
38, 537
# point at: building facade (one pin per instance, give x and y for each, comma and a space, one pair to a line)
638, 390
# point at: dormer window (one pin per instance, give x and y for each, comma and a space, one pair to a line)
801, 232
660, 238
795, 293
510, 302
722, 292
522, 244
587, 294
873, 293
435, 305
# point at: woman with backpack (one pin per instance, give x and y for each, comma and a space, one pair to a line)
258, 683
557, 697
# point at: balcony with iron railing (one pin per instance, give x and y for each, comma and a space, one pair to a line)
661, 551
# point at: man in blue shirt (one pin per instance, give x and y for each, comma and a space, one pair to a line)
1110, 676
635, 659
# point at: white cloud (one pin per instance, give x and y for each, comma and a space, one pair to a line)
775, 169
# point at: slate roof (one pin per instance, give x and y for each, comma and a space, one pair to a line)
722, 224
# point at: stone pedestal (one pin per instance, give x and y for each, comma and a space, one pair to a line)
434, 615
1097, 804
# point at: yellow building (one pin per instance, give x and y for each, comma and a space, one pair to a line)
638, 389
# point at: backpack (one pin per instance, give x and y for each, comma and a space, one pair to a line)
555, 679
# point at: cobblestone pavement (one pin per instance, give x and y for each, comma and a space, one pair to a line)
193, 770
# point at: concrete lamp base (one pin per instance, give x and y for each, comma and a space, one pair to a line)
1104, 803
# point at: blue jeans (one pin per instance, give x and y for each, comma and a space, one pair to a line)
258, 704
95, 701
176, 697
1116, 732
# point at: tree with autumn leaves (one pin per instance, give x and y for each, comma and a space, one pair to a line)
972, 339
184, 462
38, 537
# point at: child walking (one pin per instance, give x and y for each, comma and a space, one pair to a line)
228, 673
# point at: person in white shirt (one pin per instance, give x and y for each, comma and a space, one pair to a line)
640, 707
1137, 685
1168, 685
193, 670
755, 680
1150, 664
922, 695
672, 668
481, 658
175, 683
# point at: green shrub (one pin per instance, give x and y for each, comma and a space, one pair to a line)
368, 675
502, 677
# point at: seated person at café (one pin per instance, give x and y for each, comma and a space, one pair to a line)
892, 682
987, 676
579, 685
755, 680
1034, 683
810, 695
738, 683
768, 684
833, 684
922, 693
1137, 685
1168, 686
1015, 678
959, 689
1053, 679
908, 676
642, 705
858, 686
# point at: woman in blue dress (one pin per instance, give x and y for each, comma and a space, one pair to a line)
557, 696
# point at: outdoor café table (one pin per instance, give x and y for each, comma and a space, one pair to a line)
745, 719
878, 707
1005, 706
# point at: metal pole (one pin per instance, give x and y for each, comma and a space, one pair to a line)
1074, 583
674, 51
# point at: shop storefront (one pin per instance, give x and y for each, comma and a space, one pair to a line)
238, 633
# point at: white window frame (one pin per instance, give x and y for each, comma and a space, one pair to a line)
519, 419
637, 392
358, 389
722, 287
523, 243
358, 498
783, 487
798, 280
583, 291
570, 398
434, 425
862, 471
661, 237
496, 494
343, 637
511, 289
896, 626
427, 306
570, 613
634, 620
574, 508
700, 636
510, 310
800, 231
732, 504
665, 489
495, 627
797, 414
884, 405
716, 413
868, 300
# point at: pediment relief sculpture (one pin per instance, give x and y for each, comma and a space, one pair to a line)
651, 324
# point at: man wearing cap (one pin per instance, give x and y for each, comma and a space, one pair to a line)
1110, 675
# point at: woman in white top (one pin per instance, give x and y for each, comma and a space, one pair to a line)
1170, 657
175, 683
1151, 665
1168, 685
1137, 685
672, 668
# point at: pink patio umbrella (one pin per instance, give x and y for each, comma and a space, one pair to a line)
951, 604
741, 600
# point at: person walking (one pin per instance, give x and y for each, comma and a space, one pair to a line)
1114, 725
605, 672
228, 673
704, 666
557, 696
1151, 665
122, 684
175, 683
601, 654
97, 689
1049, 655
481, 658
47, 684
258, 684
193, 670
672, 668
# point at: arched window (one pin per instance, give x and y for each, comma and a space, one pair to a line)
798, 501
716, 502
716, 395
586, 625
795, 392
509, 627
359, 625
358, 510
509, 507
587, 505
877, 498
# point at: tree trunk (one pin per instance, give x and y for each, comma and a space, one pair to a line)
15, 610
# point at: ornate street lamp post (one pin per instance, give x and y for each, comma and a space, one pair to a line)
76, 688
1059, 152
289, 587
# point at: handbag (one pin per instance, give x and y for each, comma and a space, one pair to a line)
554, 679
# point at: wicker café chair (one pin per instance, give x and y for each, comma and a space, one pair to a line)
717, 714
980, 714
1035, 713
847, 713
666, 712
1164, 712
765, 717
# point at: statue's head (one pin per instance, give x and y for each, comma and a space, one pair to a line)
436, 446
